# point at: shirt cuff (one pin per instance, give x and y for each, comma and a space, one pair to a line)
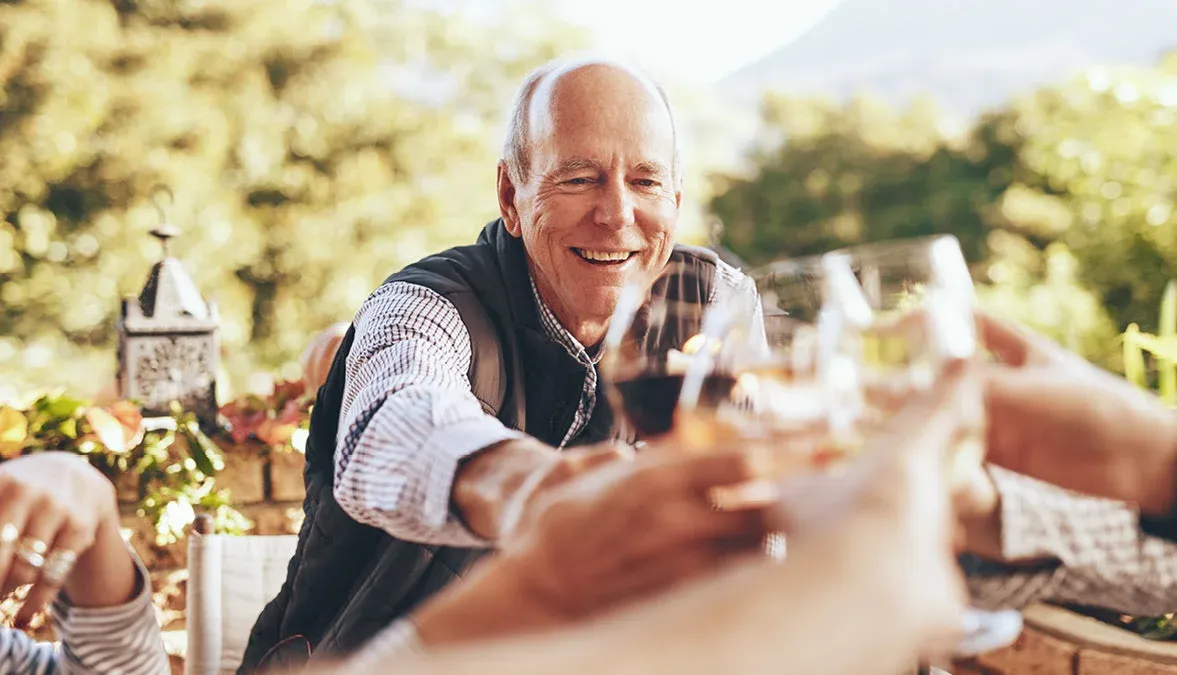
1040, 521
119, 639
453, 444
1026, 520
64, 612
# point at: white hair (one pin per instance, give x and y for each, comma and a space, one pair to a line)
516, 148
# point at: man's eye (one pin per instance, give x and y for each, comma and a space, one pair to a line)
578, 181
647, 182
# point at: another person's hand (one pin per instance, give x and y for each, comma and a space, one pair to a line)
613, 535
887, 523
1056, 417
59, 528
875, 538
625, 530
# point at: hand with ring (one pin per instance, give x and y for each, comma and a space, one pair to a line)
59, 530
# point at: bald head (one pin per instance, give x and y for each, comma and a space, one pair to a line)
561, 90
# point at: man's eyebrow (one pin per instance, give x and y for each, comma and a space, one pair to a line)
651, 168
575, 164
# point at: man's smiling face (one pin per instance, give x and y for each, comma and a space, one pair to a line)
599, 204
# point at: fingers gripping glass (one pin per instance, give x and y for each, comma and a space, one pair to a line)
895, 313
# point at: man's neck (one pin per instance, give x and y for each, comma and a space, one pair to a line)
588, 332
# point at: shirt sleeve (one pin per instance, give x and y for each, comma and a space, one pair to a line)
409, 417
123, 639
20, 654
1078, 549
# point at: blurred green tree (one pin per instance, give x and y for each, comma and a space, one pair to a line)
1098, 164
313, 148
826, 176
1065, 201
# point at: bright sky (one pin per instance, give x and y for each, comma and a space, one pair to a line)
693, 41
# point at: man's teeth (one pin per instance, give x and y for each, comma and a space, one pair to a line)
604, 256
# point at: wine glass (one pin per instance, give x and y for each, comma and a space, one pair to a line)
674, 357
894, 313
656, 328
786, 384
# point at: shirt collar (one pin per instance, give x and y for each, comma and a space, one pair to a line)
556, 330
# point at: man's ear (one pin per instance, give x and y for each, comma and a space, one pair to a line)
506, 190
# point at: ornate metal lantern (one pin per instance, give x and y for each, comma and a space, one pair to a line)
169, 342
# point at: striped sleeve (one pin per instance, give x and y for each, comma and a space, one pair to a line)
21, 655
409, 417
122, 640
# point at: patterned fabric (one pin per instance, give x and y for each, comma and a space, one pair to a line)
588, 396
123, 640
409, 418
1093, 549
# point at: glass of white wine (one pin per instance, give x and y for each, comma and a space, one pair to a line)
785, 382
894, 314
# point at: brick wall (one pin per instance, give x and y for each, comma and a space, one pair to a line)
267, 490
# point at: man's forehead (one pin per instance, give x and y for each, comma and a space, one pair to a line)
596, 85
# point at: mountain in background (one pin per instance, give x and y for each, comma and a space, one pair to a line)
969, 55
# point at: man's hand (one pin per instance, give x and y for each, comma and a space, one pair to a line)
612, 535
625, 530
1056, 417
495, 489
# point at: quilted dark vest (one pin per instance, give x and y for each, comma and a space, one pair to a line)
346, 580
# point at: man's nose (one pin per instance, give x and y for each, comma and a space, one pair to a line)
615, 205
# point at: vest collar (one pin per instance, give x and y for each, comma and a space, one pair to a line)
516, 277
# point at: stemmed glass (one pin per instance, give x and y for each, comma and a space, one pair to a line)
786, 383
677, 360
893, 314
655, 330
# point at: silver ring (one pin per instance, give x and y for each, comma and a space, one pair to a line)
9, 533
58, 565
32, 551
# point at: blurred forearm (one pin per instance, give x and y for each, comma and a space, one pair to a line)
737, 621
105, 574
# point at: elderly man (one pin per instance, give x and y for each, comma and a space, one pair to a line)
466, 374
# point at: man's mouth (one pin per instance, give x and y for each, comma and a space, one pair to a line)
603, 257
